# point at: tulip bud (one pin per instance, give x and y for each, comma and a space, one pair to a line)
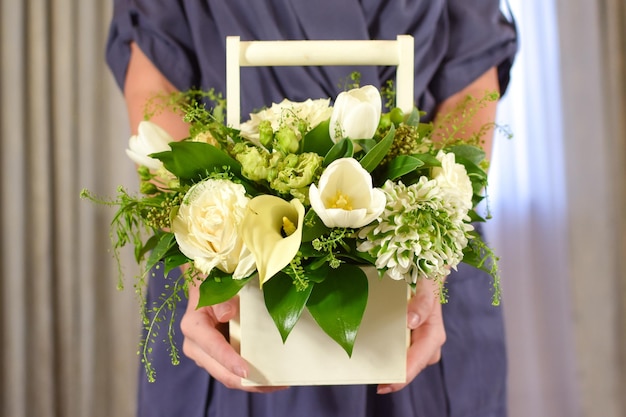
356, 114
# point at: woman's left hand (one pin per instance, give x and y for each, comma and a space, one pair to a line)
428, 334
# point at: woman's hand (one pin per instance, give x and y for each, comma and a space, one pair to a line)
206, 344
428, 334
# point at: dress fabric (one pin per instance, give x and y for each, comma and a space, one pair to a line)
455, 42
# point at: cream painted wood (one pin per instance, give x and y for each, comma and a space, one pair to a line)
397, 53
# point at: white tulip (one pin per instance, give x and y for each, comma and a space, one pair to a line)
356, 114
206, 228
151, 138
345, 197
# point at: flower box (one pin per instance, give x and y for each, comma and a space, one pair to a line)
310, 357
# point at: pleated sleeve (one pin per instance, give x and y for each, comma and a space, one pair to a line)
479, 37
161, 30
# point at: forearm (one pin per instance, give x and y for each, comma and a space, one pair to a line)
143, 83
485, 115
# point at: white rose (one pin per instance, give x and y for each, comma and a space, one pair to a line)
206, 228
345, 197
356, 114
453, 180
150, 138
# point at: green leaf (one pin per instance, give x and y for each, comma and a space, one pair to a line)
373, 158
469, 152
429, 160
318, 139
174, 260
193, 161
313, 227
219, 287
342, 149
147, 247
337, 304
284, 303
476, 174
365, 144
414, 118
165, 242
402, 165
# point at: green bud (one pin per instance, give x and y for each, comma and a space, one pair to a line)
144, 173
286, 140
396, 115
148, 188
385, 122
266, 133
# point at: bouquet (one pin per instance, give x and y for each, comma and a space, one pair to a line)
298, 199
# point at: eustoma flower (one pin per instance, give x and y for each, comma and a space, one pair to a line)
287, 114
150, 138
356, 114
272, 229
206, 228
345, 197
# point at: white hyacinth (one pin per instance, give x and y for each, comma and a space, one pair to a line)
418, 235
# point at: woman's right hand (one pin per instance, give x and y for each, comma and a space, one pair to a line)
206, 344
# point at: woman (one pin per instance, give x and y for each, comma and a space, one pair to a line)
461, 47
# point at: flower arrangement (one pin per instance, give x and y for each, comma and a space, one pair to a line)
299, 198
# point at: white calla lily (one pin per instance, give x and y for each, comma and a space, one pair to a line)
272, 230
356, 114
150, 138
345, 196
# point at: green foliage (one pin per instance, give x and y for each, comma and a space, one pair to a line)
325, 276
285, 302
219, 287
338, 303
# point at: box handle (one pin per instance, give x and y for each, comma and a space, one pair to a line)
239, 54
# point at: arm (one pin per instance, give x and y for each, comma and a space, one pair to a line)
204, 343
424, 312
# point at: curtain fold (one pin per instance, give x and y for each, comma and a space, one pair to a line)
558, 202
69, 338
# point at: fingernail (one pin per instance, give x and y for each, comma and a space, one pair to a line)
221, 310
241, 372
413, 320
383, 390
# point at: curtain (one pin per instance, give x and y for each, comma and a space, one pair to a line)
557, 193
68, 337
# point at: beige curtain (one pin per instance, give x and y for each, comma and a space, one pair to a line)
593, 71
68, 337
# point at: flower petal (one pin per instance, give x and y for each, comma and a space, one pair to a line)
261, 230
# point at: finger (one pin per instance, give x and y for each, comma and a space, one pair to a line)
199, 328
227, 310
422, 303
425, 349
222, 374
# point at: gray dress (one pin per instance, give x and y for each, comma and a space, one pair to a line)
455, 42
